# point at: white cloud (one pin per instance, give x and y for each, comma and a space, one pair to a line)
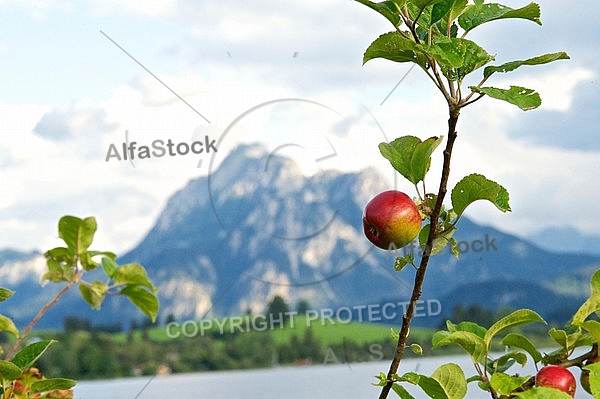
146, 8
37, 9
19, 119
81, 119
557, 86
547, 185
70, 174
154, 93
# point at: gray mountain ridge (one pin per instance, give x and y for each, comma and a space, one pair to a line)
229, 242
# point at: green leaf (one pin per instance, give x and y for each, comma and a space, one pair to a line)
410, 156
471, 343
476, 187
440, 242
595, 284
474, 378
449, 10
389, 9
467, 326
457, 56
454, 247
424, 14
512, 65
522, 97
61, 255
452, 380
542, 393
428, 384
504, 384
402, 392
448, 52
109, 254
143, 299
132, 274
481, 13
68, 230
401, 261
5, 293
56, 272
593, 327
560, 337
77, 233
85, 236
382, 377
594, 370
87, 262
570, 341
7, 325
9, 371
522, 342
27, 356
109, 266
422, 9
416, 348
475, 57
422, 4
394, 47
52, 384
592, 304
456, 10
505, 361
94, 293
410, 377
516, 318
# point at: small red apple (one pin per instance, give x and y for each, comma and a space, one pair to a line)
391, 217
556, 377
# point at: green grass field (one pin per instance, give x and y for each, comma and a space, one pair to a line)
324, 331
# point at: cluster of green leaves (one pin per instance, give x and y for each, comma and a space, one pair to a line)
18, 379
449, 380
411, 157
432, 34
6, 324
68, 264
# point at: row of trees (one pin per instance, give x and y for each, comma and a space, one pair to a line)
276, 306
96, 355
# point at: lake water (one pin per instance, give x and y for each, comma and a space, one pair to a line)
315, 382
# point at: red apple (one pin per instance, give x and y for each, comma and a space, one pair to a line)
556, 377
391, 217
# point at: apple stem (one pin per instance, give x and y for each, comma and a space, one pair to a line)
454, 112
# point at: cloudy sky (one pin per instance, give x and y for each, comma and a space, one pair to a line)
76, 77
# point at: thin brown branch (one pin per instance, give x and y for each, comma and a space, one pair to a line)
483, 80
440, 81
578, 361
37, 318
421, 12
452, 90
464, 104
420, 275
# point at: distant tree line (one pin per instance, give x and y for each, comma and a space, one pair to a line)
89, 351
